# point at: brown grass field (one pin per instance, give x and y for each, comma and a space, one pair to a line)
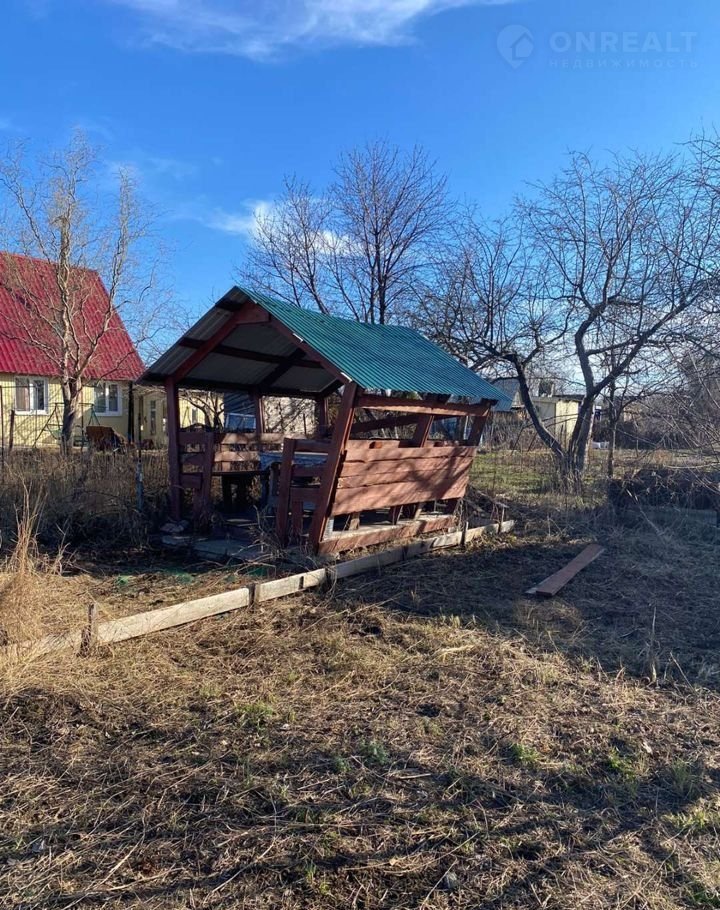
425, 737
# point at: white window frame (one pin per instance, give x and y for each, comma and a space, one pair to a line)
107, 412
31, 380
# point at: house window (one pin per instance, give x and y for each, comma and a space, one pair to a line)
153, 417
31, 395
107, 399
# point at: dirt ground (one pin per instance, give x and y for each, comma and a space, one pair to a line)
427, 737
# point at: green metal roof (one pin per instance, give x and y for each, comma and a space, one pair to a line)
380, 356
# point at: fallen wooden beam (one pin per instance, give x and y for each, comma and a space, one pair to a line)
554, 583
139, 624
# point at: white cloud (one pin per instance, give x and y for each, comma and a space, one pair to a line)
261, 29
241, 222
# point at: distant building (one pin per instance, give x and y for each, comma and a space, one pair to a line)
559, 411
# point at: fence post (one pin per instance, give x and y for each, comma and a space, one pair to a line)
89, 635
139, 483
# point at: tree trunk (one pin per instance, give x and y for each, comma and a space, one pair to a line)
71, 392
613, 418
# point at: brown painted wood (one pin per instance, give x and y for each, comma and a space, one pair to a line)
259, 417
369, 455
554, 583
227, 350
173, 429
359, 499
345, 540
321, 416
202, 497
294, 359
283, 499
407, 465
476, 430
206, 347
311, 352
429, 472
418, 406
336, 452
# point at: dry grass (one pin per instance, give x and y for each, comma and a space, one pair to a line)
427, 738
88, 499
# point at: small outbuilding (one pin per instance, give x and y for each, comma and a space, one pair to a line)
347, 486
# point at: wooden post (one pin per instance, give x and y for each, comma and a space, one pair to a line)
321, 416
422, 430
203, 496
89, 633
259, 416
173, 429
282, 508
338, 444
476, 430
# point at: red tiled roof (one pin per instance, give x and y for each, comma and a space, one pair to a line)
29, 306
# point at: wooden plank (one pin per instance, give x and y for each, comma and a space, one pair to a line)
418, 406
387, 453
383, 472
244, 353
203, 498
554, 583
397, 459
340, 437
169, 617
358, 499
422, 430
353, 540
282, 510
291, 584
206, 347
227, 439
476, 430
191, 481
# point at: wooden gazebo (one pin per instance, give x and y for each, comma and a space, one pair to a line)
346, 486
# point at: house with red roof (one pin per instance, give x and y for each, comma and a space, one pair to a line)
99, 349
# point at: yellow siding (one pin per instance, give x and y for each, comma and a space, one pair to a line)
44, 429
150, 415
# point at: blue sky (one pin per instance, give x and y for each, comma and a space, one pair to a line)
213, 101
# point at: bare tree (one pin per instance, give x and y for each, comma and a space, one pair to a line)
363, 246
602, 267
56, 213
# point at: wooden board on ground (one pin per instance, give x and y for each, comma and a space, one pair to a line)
554, 583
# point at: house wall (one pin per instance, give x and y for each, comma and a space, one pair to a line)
560, 416
284, 415
31, 430
42, 429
